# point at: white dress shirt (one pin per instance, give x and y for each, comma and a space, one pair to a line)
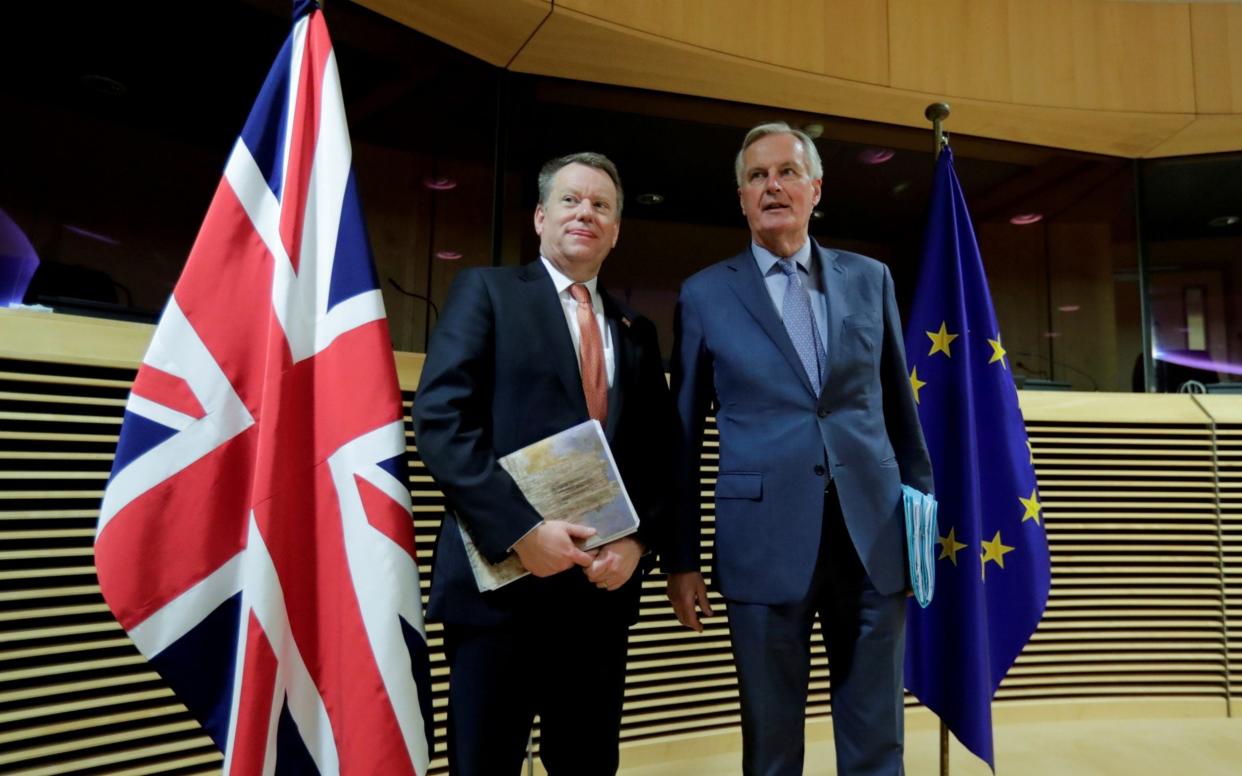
570, 307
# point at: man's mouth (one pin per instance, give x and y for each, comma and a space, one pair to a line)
774, 206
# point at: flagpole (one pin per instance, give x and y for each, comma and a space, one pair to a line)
936, 113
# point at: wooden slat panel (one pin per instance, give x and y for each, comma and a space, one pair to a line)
1141, 606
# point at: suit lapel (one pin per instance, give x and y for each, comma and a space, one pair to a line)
551, 332
752, 291
833, 277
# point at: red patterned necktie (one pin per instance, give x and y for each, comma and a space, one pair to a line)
591, 348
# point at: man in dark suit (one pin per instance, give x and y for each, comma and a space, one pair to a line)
799, 347
519, 354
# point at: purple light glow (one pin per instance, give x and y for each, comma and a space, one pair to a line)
448, 255
875, 155
1199, 362
18, 261
439, 184
1026, 219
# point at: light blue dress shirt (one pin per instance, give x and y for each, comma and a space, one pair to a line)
812, 278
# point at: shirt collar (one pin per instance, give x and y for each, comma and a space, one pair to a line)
563, 283
767, 260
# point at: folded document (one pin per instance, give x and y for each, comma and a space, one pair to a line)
921, 536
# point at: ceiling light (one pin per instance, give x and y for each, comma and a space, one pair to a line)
816, 215
439, 184
1026, 219
1069, 308
875, 155
448, 255
650, 198
813, 130
1225, 221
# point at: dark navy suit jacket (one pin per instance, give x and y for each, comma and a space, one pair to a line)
780, 443
500, 374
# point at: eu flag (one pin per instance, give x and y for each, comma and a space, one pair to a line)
992, 574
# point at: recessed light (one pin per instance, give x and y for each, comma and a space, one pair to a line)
650, 198
1069, 308
439, 184
448, 255
875, 155
814, 130
1026, 219
1225, 221
816, 215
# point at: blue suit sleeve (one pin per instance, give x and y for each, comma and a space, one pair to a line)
901, 416
453, 422
693, 391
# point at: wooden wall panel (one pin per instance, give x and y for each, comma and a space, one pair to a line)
573, 45
1133, 79
1142, 501
1216, 30
1059, 53
842, 38
492, 30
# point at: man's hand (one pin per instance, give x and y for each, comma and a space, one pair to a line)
685, 590
549, 548
615, 563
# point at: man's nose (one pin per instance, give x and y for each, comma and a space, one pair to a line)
774, 183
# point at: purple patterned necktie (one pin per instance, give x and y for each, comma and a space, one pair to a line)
800, 323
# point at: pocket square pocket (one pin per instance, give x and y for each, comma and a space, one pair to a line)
739, 485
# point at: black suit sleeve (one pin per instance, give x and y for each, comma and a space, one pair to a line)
654, 452
453, 421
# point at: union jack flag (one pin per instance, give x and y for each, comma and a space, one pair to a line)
255, 537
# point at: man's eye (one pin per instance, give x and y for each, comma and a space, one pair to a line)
756, 175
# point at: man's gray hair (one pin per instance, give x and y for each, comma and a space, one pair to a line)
587, 158
810, 154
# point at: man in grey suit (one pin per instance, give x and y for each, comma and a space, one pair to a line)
799, 348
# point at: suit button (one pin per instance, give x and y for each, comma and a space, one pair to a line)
819, 470
823, 413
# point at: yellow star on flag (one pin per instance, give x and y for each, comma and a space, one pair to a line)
916, 383
1032, 507
998, 352
949, 547
940, 340
995, 551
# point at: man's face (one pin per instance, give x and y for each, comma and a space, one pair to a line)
579, 224
777, 192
